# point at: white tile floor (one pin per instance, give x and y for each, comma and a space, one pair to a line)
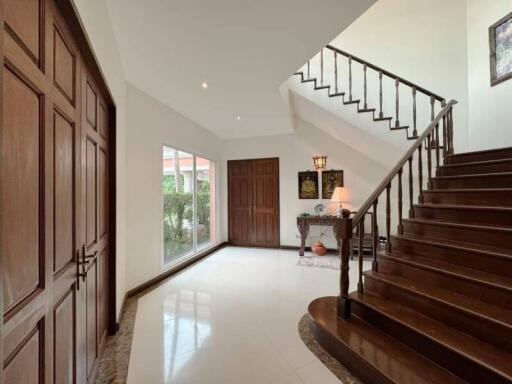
232, 318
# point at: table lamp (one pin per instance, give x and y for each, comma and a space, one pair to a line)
340, 196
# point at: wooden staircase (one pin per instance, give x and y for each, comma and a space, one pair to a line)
437, 306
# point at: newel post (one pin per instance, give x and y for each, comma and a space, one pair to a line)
343, 233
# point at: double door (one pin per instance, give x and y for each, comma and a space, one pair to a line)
53, 200
253, 202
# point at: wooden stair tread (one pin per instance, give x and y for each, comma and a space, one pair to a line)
392, 359
459, 225
473, 175
481, 162
467, 190
472, 348
450, 298
477, 276
469, 247
465, 206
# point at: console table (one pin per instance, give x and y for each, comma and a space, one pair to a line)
339, 227
338, 224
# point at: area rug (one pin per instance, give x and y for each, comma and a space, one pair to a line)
326, 261
339, 370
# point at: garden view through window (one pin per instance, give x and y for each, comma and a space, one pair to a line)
188, 186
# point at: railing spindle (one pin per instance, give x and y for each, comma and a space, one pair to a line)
381, 113
450, 131
309, 66
432, 109
400, 227
429, 159
420, 174
365, 86
414, 117
437, 145
411, 188
360, 254
445, 135
350, 78
375, 235
397, 103
322, 67
335, 72
388, 217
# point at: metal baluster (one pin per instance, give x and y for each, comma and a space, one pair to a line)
411, 188
360, 254
397, 103
365, 98
432, 110
381, 113
350, 78
400, 227
388, 217
414, 116
445, 141
322, 67
420, 175
335, 72
451, 130
309, 65
375, 235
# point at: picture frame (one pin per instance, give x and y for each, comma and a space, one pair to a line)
308, 185
500, 45
330, 180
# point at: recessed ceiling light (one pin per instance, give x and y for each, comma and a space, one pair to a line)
204, 85
238, 117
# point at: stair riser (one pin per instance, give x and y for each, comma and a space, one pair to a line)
475, 169
478, 236
477, 260
457, 284
452, 361
460, 215
480, 327
473, 182
485, 156
492, 198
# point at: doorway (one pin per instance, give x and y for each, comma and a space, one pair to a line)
253, 202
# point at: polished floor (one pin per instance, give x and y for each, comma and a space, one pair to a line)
232, 318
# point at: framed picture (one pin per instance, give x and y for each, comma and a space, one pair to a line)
308, 185
500, 41
330, 180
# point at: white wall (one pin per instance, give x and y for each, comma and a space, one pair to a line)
490, 112
96, 21
361, 173
151, 125
424, 42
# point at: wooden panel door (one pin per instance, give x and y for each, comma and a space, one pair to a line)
94, 220
53, 200
266, 202
253, 202
240, 205
40, 167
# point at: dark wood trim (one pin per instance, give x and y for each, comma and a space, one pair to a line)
307, 249
161, 278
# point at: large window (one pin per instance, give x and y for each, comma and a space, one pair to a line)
188, 186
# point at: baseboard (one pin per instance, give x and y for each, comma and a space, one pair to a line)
155, 281
307, 249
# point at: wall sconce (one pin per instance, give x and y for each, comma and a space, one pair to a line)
320, 162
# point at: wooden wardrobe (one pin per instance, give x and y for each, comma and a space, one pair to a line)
57, 197
253, 202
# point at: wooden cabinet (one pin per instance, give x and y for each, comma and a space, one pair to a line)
253, 202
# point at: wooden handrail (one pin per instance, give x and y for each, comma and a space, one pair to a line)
387, 73
394, 172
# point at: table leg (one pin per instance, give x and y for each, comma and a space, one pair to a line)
304, 231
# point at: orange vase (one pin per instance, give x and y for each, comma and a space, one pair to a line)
319, 248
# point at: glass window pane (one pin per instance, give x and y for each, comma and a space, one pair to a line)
205, 182
178, 192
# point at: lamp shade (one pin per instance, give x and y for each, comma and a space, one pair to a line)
320, 162
340, 195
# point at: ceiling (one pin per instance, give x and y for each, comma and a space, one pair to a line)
243, 49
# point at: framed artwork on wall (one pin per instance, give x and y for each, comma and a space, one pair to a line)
308, 185
330, 180
500, 44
